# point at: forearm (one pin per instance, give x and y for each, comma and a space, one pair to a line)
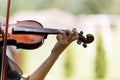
64, 39
42, 71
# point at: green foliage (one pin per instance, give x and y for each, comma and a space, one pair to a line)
69, 63
72, 6
21, 5
3, 7
100, 62
96, 6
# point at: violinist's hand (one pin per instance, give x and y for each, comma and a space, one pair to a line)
64, 38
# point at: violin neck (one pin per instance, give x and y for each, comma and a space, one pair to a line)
33, 30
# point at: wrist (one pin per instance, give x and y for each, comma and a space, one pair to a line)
58, 49
54, 55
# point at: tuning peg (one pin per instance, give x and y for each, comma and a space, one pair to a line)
78, 42
84, 45
81, 32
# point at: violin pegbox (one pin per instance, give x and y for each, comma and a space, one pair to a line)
85, 40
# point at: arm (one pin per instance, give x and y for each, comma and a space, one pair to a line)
63, 40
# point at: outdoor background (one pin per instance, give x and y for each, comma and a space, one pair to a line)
99, 61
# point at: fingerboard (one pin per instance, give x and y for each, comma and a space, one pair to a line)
33, 30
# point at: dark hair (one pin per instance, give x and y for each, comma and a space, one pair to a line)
13, 72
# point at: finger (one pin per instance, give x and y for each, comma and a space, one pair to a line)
69, 33
62, 33
75, 33
59, 37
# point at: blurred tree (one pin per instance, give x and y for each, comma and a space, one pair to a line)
100, 61
66, 5
69, 63
69, 5
72, 6
3, 7
96, 6
114, 8
21, 5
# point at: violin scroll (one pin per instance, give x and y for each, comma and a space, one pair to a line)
89, 38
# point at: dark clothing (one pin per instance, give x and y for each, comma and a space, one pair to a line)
13, 72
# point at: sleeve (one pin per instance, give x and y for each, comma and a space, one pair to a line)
13, 72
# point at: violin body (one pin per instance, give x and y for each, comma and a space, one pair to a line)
29, 41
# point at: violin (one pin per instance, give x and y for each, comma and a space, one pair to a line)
30, 34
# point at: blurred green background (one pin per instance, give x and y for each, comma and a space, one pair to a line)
100, 61
72, 6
